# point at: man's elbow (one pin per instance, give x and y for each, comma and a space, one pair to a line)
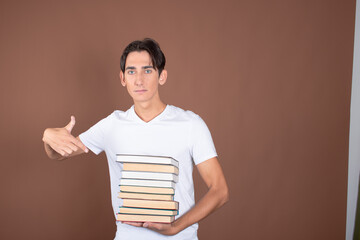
224, 195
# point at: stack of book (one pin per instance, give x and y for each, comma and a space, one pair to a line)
147, 188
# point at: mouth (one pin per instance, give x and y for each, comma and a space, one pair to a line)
140, 91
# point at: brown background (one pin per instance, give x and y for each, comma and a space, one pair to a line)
270, 78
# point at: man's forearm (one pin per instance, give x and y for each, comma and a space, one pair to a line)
213, 199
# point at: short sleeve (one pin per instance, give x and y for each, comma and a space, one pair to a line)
202, 145
94, 137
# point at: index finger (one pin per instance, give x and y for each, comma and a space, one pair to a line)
136, 224
79, 143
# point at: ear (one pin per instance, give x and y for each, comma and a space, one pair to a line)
163, 77
122, 78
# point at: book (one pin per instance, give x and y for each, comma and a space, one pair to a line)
124, 158
148, 211
152, 190
147, 188
148, 196
149, 175
144, 218
147, 183
139, 203
144, 167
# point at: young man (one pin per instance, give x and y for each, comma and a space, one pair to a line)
150, 127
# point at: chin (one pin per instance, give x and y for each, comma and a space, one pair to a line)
137, 99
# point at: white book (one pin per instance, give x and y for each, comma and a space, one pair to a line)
150, 175
124, 158
147, 183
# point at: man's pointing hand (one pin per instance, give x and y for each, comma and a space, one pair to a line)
62, 142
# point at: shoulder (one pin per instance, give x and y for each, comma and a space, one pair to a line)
115, 116
181, 114
119, 115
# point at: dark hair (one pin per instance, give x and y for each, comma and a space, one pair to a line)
149, 45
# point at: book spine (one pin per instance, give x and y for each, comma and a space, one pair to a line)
144, 218
146, 159
149, 176
147, 190
170, 205
150, 183
148, 211
146, 196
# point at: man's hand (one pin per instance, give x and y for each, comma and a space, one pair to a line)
60, 143
163, 228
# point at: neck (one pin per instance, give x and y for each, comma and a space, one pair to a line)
148, 111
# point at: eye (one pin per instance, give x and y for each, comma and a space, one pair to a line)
131, 72
148, 71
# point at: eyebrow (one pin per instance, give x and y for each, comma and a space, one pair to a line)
143, 67
146, 67
130, 67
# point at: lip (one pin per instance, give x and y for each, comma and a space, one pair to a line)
140, 91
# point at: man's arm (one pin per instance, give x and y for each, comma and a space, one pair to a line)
60, 144
216, 196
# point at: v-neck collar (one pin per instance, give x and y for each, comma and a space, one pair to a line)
155, 119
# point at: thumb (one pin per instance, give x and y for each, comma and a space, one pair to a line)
152, 226
70, 125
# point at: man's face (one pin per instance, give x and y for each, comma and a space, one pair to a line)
140, 77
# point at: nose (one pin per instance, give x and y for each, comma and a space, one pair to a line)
139, 80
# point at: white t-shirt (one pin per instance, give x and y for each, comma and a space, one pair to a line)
175, 133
